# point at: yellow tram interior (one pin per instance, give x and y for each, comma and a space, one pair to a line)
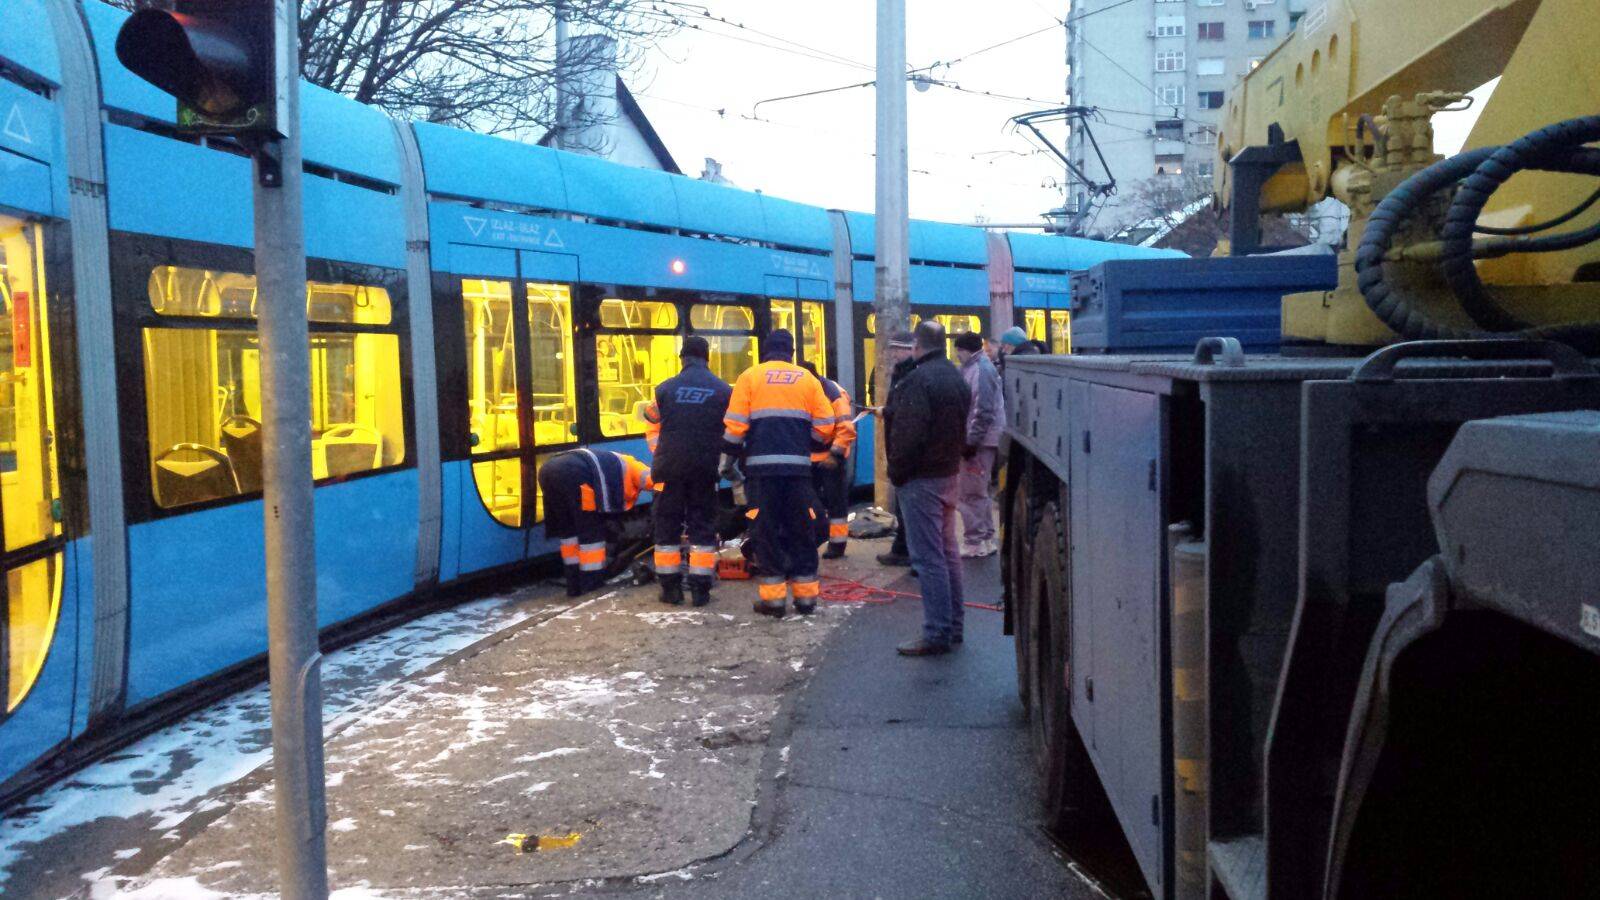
29, 487
203, 383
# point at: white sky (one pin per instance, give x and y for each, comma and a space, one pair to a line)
818, 150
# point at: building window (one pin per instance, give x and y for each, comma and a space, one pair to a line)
203, 385
1209, 2
1170, 94
1262, 28
1210, 65
1212, 31
1205, 135
635, 350
1203, 170
1169, 130
1169, 165
1169, 61
1210, 99
1169, 26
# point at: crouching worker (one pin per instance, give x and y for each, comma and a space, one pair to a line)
684, 429
582, 489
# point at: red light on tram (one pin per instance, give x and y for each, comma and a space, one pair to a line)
679, 267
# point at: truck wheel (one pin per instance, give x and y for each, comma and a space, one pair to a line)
1065, 774
1019, 527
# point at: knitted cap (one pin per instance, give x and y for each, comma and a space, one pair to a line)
1014, 336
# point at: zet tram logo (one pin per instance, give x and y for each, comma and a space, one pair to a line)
779, 376
692, 395
514, 231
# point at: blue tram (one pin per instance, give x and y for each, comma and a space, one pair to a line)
475, 304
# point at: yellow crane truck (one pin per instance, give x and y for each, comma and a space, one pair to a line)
1325, 622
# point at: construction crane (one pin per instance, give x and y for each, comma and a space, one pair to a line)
1343, 108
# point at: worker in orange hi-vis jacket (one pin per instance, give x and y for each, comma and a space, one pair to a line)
581, 489
778, 417
830, 469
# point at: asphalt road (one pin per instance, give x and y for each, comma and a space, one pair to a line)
903, 777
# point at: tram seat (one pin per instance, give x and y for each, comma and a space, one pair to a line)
181, 481
241, 440
347, 449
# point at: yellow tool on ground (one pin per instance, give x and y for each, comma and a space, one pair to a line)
529, 843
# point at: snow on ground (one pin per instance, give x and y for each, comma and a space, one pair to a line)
167, 775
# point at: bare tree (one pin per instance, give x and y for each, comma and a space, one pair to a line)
488, 65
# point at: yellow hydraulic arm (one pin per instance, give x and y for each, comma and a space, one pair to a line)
1343, 108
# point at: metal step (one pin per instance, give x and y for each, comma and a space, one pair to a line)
1240, 866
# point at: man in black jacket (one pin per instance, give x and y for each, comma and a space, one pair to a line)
684, 429
897, 352
927, 418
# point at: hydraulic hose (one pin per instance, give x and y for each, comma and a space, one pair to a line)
1557, 147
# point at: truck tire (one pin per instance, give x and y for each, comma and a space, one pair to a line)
1066, 776
1019, 525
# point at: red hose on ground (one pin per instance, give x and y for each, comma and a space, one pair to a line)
843, 590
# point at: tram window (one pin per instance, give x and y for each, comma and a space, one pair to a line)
955, 324
28, 475
203, 387
491, 365
203, 407
555, 399
1033, 322
814, 343
500, 487
629, 367
181, 291
783, 316
638, 314
731, 355
357, 424
34, 594
1060, 331
721, 317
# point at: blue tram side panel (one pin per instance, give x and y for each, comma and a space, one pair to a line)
196, 579
33, 185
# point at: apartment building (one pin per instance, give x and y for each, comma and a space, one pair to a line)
1159, 73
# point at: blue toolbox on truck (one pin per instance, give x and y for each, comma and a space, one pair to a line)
1145, 305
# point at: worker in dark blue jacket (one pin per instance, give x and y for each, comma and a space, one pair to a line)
684, 430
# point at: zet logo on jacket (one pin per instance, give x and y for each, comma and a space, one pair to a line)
692, 395
779, 376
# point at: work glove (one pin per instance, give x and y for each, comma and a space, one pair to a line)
728, 470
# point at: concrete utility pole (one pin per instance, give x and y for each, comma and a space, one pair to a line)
563, 79
293, 657
891, 301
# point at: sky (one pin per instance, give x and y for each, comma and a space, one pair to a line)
701, 87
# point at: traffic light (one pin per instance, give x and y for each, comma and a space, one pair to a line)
216, 56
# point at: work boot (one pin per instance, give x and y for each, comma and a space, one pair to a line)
774, 609
893, 559
591, 581
834, 551
671, 590
700, 592
574, 582
922, 647
806, 608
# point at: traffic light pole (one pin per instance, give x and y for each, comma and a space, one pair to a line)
293, 656
891, 302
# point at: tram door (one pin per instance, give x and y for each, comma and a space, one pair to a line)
30, 508
521, 389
